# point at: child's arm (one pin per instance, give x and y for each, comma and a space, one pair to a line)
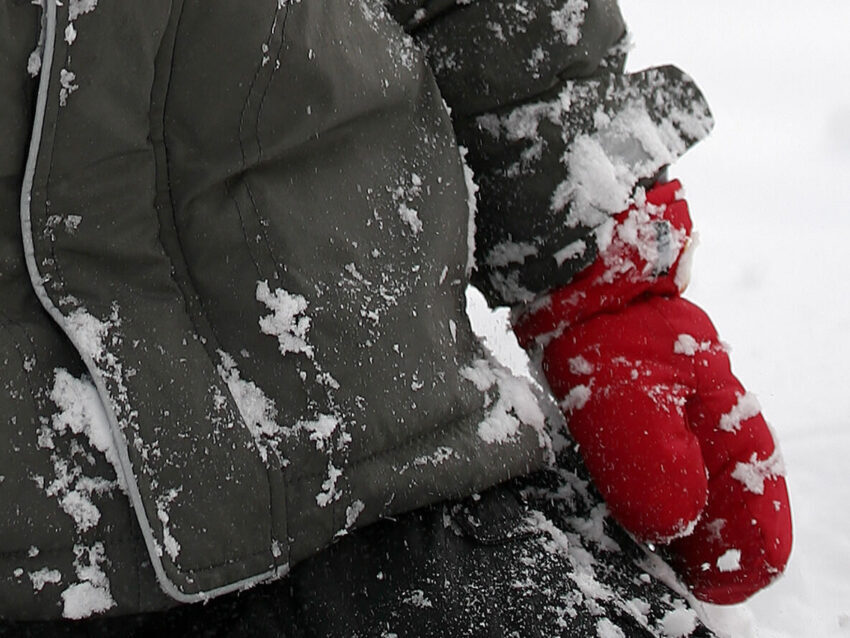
676, 445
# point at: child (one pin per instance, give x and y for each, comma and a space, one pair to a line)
235, 343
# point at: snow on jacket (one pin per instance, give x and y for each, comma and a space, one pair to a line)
233, 320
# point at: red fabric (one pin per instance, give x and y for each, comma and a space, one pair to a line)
672, 440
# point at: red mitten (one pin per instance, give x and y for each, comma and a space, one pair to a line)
674, 443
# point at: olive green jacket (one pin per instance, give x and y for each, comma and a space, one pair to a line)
235, 240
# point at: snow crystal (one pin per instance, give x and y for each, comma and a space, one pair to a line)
284, 322
730, 561
43, 577
746, 408
516, 404
754, 473
91, 595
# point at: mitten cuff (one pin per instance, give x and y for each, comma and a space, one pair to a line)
640, 255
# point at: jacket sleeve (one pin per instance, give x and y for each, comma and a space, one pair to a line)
557, 135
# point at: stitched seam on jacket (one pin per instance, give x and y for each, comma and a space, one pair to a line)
209, 329
242, 142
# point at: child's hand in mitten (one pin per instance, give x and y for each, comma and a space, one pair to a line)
672, 440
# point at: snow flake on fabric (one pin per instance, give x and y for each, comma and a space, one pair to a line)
91, 593
172, 547
408, 190
511, 402
66, 82
730, 561
287, 321
568, 20
258, 411
685, 344
329, 492
746, 408
44, 576
67, 78
73, 435
754, 473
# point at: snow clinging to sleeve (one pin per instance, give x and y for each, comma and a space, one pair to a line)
746, 408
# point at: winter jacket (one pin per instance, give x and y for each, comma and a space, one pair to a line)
234, 317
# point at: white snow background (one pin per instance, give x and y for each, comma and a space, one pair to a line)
770, 196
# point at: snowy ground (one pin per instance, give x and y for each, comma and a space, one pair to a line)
769, 195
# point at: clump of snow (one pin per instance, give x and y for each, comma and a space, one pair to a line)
570, 251
515, 403
43, 577
172, 547
321, 430
81, 414
91, 593
417, 598
34, 62
746, 408
678, 623
76, 8
576, 398
606, 629
580, 365
353, 512
569, 19
730, 561
259, 412
286, 322
754, 473
329, 492
66, 82
81, 411
685, 344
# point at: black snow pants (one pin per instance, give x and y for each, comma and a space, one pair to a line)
535, 557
